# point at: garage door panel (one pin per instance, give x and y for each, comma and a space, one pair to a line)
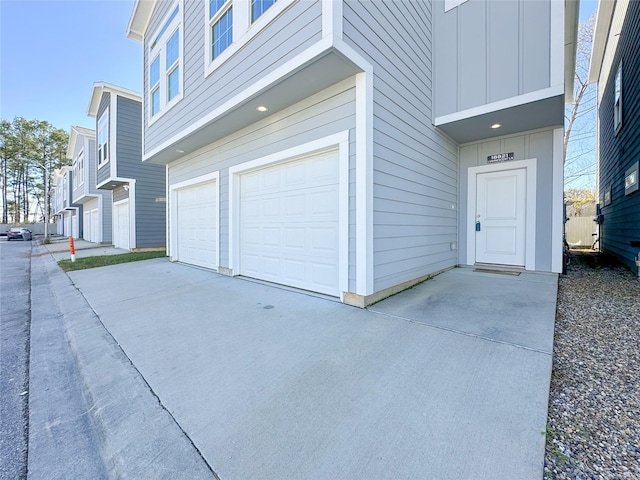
196, 224
293, 240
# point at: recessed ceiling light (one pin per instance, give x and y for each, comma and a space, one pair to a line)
496, 125
262, 108
179, 151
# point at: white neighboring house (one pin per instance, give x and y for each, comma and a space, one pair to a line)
67, 215
95, 222
355, 148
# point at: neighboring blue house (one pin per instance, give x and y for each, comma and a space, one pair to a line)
138, 190
95, 225
355, 148
615, 65
67, 215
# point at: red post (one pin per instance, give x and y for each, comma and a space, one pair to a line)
72, 248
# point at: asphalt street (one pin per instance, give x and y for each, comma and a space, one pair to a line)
15, 318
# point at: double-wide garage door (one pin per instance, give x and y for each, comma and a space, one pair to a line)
196, 234
288, 225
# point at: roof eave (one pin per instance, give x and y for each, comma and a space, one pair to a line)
570, 45
139, 19
600, 38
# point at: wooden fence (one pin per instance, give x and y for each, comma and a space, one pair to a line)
579, 231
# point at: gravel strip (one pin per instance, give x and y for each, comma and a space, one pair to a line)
593, 429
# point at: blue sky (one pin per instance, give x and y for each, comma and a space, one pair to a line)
52, 52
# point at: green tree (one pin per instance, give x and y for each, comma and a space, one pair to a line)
28, 150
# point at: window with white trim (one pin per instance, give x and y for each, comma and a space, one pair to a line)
230, 24
78, 169
103, 138
164, 66
617, 101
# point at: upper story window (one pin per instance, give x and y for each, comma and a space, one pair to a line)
78, 169
258, 7
65, 189
103, 138
617, 101
164, 66
231, 23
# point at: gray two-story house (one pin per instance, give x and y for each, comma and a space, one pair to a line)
615, 65
138, 190
96, 204
354, 148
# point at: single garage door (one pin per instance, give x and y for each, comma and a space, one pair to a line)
197, 234
289, 223
121, 225
86, 226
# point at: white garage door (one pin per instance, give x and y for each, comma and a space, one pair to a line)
197, 233
289, 223
86, 231
121, 225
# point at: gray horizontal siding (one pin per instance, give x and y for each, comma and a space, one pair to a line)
326, 113
538, 145
415, 167
486, 51
291, 33
150, 184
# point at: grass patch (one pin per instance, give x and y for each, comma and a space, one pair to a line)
104, 260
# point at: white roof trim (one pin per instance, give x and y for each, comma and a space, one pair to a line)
139, 19
100, 87
73, 135
600, 38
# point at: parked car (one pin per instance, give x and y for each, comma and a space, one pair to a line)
19, 234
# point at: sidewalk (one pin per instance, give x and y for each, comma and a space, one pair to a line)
59, 248
191, 372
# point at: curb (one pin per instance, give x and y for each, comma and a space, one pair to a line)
138, 438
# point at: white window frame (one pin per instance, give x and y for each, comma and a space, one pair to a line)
243, 28
449, 4
617, 100
156, 47
78, 169
103, 123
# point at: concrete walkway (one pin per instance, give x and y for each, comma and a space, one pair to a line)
448, 380
59, 248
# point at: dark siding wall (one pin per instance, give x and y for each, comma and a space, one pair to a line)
103, 171
150, 179
618, 153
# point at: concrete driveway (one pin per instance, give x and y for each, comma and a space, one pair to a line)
448, 380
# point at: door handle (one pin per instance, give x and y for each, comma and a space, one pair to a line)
477, 226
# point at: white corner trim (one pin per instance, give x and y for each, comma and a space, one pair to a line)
341, 142
172, 209
530, 235
364, 184
113, 125
315, 51
332, 18
556, 73
557, 211
553, 91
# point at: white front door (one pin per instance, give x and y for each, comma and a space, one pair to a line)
94, 225
501, 217
121, 225
289, 223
